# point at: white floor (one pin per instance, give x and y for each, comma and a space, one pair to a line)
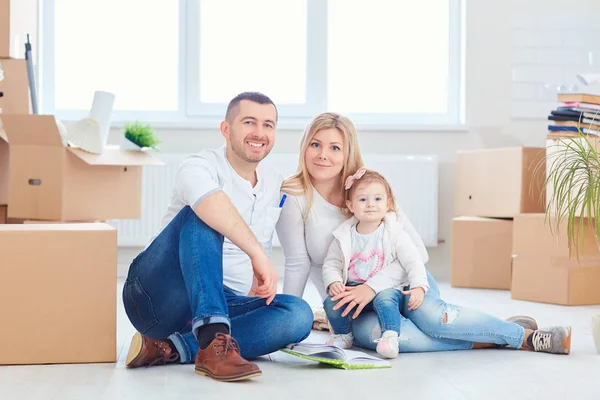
479, 374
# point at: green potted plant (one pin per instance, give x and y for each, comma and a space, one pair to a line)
142, 136
573, 187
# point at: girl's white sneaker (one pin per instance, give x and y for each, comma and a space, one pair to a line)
342, 340
387, 345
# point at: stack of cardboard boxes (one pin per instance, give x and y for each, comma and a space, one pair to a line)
492, 187
58, 298
14, 96
502, 237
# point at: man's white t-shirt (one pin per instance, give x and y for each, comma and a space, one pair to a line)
203, 174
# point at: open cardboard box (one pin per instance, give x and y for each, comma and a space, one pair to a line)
50, 182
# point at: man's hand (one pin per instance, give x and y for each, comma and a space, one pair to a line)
335, 288
252, 292
416, 297
218, 212
264, 284
355, 296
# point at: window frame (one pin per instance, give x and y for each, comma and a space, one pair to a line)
192, 113
47, 68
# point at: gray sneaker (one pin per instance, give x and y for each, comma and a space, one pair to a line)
524, 321
556, 340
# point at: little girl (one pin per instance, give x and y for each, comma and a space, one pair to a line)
372, 248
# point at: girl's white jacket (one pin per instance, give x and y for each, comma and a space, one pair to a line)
402, 266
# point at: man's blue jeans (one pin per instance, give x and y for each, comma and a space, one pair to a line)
176, 285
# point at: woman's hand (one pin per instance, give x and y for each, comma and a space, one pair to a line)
354, 296
416, 297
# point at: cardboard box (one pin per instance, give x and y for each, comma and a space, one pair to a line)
14, 87
50, 182
2, 214
6, 33
3, 167
545, 270
481, 252
58, 299
500, 183
38, 221
16, 21
559, 150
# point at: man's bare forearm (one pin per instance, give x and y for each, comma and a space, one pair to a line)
218, 212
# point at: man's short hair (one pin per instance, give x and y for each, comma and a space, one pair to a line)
256, 97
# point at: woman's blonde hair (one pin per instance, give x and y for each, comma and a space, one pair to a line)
369, 177
300, 183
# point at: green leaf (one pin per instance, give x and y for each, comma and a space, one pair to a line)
574, 178
142, 135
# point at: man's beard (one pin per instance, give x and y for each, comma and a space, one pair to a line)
240, 151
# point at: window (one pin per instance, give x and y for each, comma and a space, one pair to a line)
382, 62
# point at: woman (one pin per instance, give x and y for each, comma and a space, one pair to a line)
329, 153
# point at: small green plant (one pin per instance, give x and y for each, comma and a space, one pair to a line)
142, 135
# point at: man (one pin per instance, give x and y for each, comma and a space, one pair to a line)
187, 293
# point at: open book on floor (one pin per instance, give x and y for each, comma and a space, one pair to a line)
333, 355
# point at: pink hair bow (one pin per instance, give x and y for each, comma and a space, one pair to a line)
353, 178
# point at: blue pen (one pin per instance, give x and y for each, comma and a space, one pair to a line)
282, 200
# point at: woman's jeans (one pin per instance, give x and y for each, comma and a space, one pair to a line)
175, 286
386, 306
439, 326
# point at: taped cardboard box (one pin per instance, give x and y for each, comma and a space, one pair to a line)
545, 270
500, 183
50, 182
14, 86
58, 298
481, 252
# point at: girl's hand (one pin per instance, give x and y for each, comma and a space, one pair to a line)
355, 296
416, 297
335, 288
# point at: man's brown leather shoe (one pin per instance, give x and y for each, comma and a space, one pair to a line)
144, 351
222, 361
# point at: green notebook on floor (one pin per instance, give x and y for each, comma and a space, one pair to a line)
335, 356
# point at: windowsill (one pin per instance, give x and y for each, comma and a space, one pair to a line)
300, 125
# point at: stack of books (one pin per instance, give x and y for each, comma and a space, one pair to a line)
579, 113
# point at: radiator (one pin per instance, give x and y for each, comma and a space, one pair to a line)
414, 180
157, 184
